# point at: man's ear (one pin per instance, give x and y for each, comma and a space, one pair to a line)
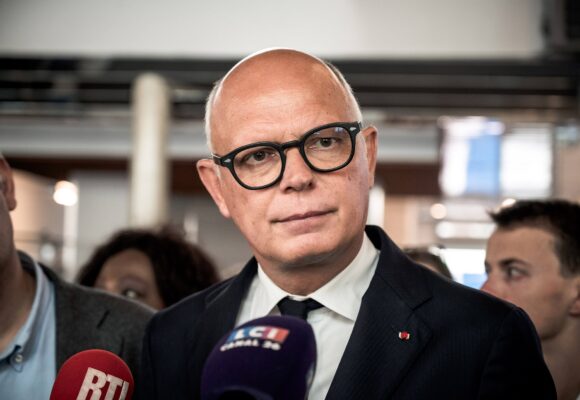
7, 184
575, 308
209, 176
371, 138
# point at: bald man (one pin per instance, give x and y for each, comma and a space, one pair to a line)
292, 165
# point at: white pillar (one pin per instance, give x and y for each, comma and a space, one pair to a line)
149, 168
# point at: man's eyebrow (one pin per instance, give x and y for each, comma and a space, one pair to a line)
508, 261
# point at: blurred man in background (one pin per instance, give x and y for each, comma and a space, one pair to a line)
44, 320
533, 261
292, 166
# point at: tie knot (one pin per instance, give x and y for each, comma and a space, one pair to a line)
296, 308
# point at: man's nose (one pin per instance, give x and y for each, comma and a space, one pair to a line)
297, 174
490, 286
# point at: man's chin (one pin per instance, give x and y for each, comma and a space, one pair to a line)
306, 254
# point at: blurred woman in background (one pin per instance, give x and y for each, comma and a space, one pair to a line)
157, 268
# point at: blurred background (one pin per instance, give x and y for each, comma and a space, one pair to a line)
101, 107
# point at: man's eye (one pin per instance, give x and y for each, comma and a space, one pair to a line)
326, 142
257, 156
514, 273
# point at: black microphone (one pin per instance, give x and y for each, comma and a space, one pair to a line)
93, 375
269, 358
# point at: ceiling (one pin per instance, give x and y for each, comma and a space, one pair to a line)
69, 86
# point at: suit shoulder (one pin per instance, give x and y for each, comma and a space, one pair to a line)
455, 299
75, 300
120, 311
452, 289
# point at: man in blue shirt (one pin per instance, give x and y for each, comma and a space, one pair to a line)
45, 320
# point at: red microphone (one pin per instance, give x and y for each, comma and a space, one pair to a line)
93, 375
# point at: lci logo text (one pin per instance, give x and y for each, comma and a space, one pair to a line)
268, 337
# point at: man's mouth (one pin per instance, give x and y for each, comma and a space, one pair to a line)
303, 216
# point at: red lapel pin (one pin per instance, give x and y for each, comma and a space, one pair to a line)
404, 335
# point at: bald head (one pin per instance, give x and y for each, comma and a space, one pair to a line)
267, 77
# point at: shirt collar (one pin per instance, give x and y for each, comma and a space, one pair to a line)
26, 336
343, 294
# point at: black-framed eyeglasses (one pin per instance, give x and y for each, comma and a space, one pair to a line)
260, 165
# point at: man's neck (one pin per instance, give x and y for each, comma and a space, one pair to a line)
562, 355
17, 289
303, 282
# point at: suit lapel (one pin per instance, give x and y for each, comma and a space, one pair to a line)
376, 358
77, 315
218, 319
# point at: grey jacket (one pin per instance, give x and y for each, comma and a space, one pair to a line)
91, 319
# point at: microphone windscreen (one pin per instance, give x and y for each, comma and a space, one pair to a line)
93, 375
269, 358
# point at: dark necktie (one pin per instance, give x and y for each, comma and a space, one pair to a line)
296, 308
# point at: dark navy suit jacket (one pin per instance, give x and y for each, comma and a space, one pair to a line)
464, 344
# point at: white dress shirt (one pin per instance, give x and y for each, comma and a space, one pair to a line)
333, 323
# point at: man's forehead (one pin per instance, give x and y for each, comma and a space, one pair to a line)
275, 118
521, 241
275, 102
526, 230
